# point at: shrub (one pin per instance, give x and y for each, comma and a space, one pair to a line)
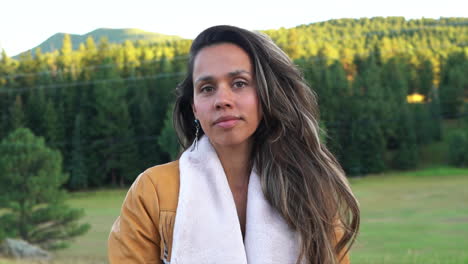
458, 148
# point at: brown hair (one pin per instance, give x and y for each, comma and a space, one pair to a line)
299, 176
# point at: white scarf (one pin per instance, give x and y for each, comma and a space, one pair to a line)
207, 228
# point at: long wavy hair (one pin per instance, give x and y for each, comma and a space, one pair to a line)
299, 176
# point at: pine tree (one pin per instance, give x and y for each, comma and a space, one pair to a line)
458, 148
30, 193
293, 46
452, 86
35, 107
143, 120
423, 123
27, 66
18, 118
65, 59
365, 148
167, 140
338, 92
434, 109
7, 70
426, 78
112, 152
78, 174
50, 125
406, 155
367, 128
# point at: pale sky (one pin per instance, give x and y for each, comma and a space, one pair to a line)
25, 24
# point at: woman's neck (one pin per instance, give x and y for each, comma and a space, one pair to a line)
236, 164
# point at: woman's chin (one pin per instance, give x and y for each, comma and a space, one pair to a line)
228, 141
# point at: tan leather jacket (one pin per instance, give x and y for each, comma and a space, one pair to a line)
143, 231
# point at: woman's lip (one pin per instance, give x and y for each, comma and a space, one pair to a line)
227, 123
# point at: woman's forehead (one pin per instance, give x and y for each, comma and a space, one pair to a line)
220, 60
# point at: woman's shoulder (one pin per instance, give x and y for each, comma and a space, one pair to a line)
163, 173
139, 233
164, 179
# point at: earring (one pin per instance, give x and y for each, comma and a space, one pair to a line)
197, 129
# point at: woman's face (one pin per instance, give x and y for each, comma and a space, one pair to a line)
225, 96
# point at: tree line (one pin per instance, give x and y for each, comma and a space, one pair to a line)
107, 107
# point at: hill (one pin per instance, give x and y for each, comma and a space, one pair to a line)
343, 38
113, 36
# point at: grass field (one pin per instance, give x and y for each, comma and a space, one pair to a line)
411, 217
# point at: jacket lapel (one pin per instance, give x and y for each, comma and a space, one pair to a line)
206, 227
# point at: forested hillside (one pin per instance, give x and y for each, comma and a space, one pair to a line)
54, 43
106, 106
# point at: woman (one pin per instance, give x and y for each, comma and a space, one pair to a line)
254, 184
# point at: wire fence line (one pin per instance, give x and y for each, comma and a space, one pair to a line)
84, 83
94, 67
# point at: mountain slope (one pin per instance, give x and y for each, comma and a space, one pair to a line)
113, 36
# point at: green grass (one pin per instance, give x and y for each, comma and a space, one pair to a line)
102, 207
410, 217
413, 217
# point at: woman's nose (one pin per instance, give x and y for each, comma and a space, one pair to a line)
224, 97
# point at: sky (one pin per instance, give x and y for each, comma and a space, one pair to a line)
25, 24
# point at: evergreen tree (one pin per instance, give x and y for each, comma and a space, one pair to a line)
65, 58
426, 78
402, 138
130, 59
338, 91
30, 193
36, 106
366, 128
17, 119
143, 120
363, 143
434, 110
350, 139
406, 156
423, 123
112, 152
168, 140
27, 67
78, 174
458, 148
51, 125
453, 83
7, 70
293, 46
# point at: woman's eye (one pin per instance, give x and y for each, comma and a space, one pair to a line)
239, 84
206, 89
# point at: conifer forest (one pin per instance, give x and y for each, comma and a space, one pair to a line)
107, 107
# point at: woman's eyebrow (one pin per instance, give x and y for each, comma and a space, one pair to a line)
204, 78
208, 78
237, 72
